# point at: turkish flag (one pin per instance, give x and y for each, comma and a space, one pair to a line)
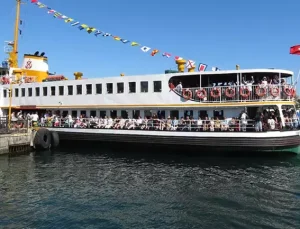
295, 50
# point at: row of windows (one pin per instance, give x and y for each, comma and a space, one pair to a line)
144, 88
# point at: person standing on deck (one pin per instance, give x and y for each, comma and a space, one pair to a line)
244, 120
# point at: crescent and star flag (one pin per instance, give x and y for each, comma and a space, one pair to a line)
295, 50
202, 67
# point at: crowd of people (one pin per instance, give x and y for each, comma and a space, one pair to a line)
263, 121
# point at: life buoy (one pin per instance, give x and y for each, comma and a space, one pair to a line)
215, 93
288, 91
201, 93
275, 91
260, 91
187, 94
5, 80
230, 92
244, 92
171, 85
42, 139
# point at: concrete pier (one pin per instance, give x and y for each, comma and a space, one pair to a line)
15, 142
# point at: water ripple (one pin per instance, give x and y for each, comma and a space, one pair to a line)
111, 190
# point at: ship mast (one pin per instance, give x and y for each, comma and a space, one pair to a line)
13, 55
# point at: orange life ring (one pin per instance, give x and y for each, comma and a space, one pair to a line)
244, 92
215, 93
230, 92
171, 85
187, 94
275, 91
260, 91
201, 93
288, 91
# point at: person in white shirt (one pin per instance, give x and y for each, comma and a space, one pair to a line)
243, 121
271, 123
179, 87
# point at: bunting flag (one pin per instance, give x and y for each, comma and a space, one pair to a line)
295, 50
96, 32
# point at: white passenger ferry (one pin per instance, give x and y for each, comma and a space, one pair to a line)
244, 110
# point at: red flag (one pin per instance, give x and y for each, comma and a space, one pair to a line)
34, 1
202, 67
295, 50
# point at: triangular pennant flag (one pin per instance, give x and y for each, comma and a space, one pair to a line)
145, 49
165, 54
97, 32
125, 41
134, 44
154, 52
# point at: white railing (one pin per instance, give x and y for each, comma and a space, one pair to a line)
163, 124
222, 94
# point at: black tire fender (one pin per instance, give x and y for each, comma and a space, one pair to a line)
54, 139
42, 139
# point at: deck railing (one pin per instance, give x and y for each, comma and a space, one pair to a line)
15, 126
167, 124
223, 94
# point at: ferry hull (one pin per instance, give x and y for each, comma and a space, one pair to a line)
285, 142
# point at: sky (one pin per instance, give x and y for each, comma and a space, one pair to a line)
219, 33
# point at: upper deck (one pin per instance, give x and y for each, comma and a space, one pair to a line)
234, 87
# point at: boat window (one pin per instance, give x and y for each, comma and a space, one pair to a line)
89, 89
120, 87
37, 91
23, 92
102, 114
174, 114
93, 113
161, 114
64, 113
4, 93
79, 89
70, 89
61, 90
147, 114
144, 86
17, 92
53, 90
202, 114
74, 114
189, 113
132, 87
45, 91
29, 92
218, 114
83, 113
124, 114
99, 88
135, 114
113, 114
109, 88
157, 86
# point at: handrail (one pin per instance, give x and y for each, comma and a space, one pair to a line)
166, 124
242, 93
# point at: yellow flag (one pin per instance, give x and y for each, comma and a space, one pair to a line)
69, 20
83, 26
117, 38
134, 44
90, 29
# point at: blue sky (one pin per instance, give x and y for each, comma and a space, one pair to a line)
253, 34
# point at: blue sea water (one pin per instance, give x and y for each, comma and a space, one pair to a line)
109, 189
